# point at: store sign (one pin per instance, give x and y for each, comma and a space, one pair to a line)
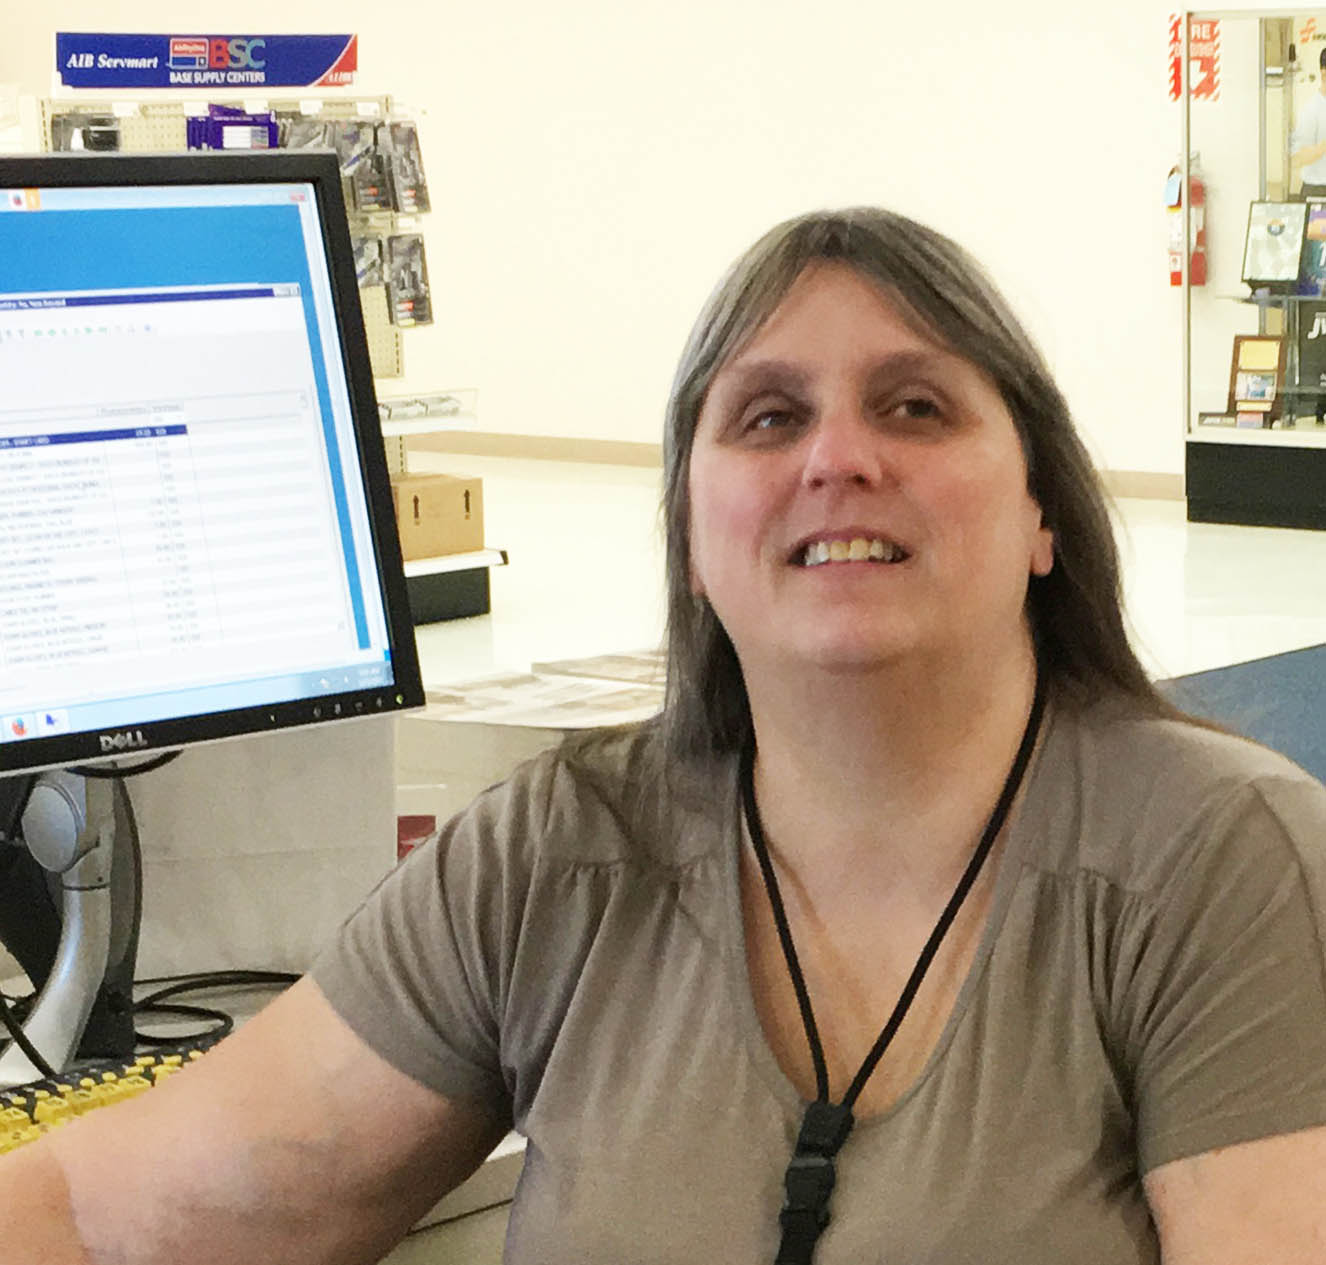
1309, 33
205, 61
1203, 58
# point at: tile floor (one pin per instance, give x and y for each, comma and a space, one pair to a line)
586, 566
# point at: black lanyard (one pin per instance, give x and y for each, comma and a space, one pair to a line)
825, 1126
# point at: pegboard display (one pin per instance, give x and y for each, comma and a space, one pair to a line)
398, 461
153, 126
162, 127
384, 339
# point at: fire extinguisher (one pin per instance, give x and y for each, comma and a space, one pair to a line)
1197, 223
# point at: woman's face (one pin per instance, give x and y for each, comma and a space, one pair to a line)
858, 493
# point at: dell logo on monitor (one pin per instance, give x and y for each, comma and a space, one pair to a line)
125, 740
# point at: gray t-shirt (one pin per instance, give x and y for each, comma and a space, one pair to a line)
1150, 984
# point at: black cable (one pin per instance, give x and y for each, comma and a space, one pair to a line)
21, 1040
223, 1024
222, 979
155, 1002
131, 770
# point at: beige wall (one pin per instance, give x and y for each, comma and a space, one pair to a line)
595, 165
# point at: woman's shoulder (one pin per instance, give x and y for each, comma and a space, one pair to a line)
611, 795
1134, 796
1134, 737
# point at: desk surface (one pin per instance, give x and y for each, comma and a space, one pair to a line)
477, 1239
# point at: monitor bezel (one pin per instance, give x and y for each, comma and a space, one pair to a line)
321, 170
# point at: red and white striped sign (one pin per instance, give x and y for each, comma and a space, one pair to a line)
1203, 58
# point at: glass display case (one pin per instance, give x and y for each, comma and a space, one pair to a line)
1250, 256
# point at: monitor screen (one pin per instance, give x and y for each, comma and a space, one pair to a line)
196, 531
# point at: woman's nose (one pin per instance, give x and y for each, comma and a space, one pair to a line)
844, 449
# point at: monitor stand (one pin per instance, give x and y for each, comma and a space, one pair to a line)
88, 882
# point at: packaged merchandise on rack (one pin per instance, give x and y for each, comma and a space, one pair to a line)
352, 139
362, 163
229, 127
297, 130
399, 141
407, 280
92, 130
370, 269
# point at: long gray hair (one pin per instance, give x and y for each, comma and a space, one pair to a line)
1075, 612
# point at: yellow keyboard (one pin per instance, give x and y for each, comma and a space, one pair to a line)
28, 1111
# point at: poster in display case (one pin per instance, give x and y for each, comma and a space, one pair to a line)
1311, 326
1312, 272
1273, 248
1256, 375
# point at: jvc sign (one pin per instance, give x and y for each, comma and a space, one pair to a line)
101, 60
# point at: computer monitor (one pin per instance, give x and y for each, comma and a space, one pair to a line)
197, 539
196, 529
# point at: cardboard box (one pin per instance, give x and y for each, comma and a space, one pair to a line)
437, 514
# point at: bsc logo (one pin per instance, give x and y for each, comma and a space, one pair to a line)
236, 54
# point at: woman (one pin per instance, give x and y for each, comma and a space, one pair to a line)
909, 776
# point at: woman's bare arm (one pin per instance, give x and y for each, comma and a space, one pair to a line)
291, 1141
1250, 1204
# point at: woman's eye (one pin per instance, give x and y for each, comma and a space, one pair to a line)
918, 407
770, 419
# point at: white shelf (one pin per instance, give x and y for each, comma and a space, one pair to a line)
429, 425
1315, 438
456, 562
